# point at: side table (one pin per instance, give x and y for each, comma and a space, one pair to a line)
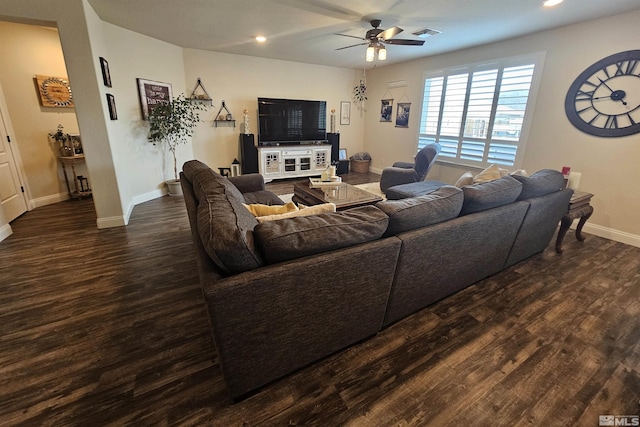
579, 207
78, 187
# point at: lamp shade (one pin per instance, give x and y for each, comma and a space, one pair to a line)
371, 51
382, 53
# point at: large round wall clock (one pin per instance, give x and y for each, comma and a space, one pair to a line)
54, 91
604, 100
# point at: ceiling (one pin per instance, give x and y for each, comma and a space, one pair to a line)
306, 30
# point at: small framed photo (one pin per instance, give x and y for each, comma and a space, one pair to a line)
345, 112
111, 103
342, 154
106, 74
76, 144
386, 106
402, 114
151, 94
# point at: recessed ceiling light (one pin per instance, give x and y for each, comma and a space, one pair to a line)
551, 3
261, 39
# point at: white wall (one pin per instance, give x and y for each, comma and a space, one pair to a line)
240, 80
607, 164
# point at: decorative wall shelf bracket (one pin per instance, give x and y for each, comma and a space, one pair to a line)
224, 119
203, 97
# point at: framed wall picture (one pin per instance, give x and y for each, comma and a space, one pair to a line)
386, 106
151, 94
345, 112
54, 91
402, 114
111, 103
106, 74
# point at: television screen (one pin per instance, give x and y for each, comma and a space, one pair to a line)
291, 121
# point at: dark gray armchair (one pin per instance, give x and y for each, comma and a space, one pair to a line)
405, 173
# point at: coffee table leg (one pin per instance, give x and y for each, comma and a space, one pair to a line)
583, 219
565, 223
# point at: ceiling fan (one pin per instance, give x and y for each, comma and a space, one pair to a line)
376, 38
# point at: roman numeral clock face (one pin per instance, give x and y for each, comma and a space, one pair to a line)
605, 98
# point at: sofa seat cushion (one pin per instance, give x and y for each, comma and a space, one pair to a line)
540, 183
307, 235
491, 194
415, 212
225, 226
412, 189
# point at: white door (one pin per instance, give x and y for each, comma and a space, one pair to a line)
12, 197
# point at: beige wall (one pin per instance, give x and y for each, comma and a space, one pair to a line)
606, 164
25, 51
240, 80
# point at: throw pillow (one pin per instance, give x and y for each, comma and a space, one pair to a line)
489, 174
258, 209
302, 211
465, 179
307, 235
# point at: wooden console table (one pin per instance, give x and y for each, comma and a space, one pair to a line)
579, 207
78, 189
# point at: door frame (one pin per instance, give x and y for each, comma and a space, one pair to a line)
14, 150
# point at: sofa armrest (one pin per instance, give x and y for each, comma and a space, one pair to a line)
248, 183
404, 165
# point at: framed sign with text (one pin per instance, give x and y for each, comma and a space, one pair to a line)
152, 94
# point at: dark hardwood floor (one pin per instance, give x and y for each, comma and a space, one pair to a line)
108, 327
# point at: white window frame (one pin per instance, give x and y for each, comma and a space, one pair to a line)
537, 59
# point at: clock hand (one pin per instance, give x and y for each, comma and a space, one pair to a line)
616, 95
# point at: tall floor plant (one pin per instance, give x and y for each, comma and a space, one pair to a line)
173, 124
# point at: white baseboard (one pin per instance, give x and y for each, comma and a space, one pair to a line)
5, 231
48, 200
119, 221
611, 234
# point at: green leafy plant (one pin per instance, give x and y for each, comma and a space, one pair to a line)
173, 124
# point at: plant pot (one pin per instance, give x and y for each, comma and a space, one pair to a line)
175, 189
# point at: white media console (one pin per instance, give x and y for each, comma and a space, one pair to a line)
287, 161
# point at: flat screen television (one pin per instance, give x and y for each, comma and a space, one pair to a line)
291, 121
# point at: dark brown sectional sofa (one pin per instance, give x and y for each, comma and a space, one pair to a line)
283, 294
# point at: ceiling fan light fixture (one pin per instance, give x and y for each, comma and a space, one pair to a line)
371, 52
382, 53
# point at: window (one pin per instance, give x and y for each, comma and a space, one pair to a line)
477, 113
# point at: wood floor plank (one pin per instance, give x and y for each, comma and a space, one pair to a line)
108, 327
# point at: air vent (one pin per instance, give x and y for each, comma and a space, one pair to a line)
426, 33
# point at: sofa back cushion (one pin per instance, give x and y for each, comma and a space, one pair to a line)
415, 212
296, 237
540, 183
491, 194
225, 226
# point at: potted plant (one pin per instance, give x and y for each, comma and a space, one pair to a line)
63, 141
173, 124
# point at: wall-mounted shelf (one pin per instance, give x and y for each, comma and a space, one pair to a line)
202, 98
217, 123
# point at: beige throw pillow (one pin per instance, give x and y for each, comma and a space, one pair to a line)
303, 211
465, 179
489, 174
258, 209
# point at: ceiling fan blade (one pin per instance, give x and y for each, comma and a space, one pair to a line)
405, 42
391, 32
349, 35
353, 45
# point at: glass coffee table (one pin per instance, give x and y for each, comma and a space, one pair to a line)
343, 195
